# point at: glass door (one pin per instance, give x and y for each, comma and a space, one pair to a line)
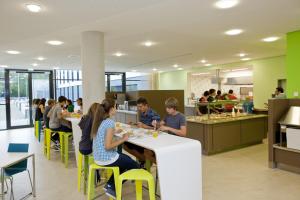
19, 99
2, 101
24, 86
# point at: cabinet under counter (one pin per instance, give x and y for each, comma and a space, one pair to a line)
219, 135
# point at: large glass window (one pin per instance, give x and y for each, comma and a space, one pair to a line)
2, 101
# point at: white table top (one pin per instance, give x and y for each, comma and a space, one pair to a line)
179, 164
8, 159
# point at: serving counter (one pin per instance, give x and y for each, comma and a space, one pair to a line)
219, 133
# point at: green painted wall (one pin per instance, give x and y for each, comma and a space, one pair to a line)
293, 63
266, 73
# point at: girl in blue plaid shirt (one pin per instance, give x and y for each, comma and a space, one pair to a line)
105, 145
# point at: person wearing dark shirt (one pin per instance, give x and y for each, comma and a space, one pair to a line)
148, 117
148, 120
51, 103
86, 122
40, 110
212, 98
202, 109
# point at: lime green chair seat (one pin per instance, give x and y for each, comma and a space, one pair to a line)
91, 182
138, 175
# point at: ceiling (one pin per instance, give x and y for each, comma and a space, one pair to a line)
185, 31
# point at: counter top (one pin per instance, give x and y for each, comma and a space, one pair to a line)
216, 119
190, 106
127, 112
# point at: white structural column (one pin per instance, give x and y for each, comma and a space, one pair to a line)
93, 74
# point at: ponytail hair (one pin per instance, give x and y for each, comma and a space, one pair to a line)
101, 113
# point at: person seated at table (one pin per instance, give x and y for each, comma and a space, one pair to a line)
174, 123
105, 146
51, 103
79, 103
57, 121
148, 119
147, 115
40, 110
69, 106
35, 105
85, 124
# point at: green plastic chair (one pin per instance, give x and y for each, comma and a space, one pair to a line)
138, 175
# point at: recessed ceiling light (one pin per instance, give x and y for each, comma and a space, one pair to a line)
13, 52
208, 64
225, 4
30, 69
242, 54
33, 8
34, 64
154, 69
4, 66
148, 43
176, 65
40, 58
55, 42
234, 32
119, 54
270, 39
245, 59
203, 61
199, 74
241, 69
180, 68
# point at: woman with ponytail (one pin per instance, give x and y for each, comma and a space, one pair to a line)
105, 145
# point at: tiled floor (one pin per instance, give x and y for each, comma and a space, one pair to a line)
236, 175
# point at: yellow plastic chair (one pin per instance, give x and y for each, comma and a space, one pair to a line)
91, 179
82, 169
139, 175
47, 142
64, 146
37, 130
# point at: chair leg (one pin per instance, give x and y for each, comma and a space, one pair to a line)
48, 144
139, 189
91, 184
151, 189
6, 186
30, 180
85, 172
156, 180
61, 140
79, 171
11, 188
66, 150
